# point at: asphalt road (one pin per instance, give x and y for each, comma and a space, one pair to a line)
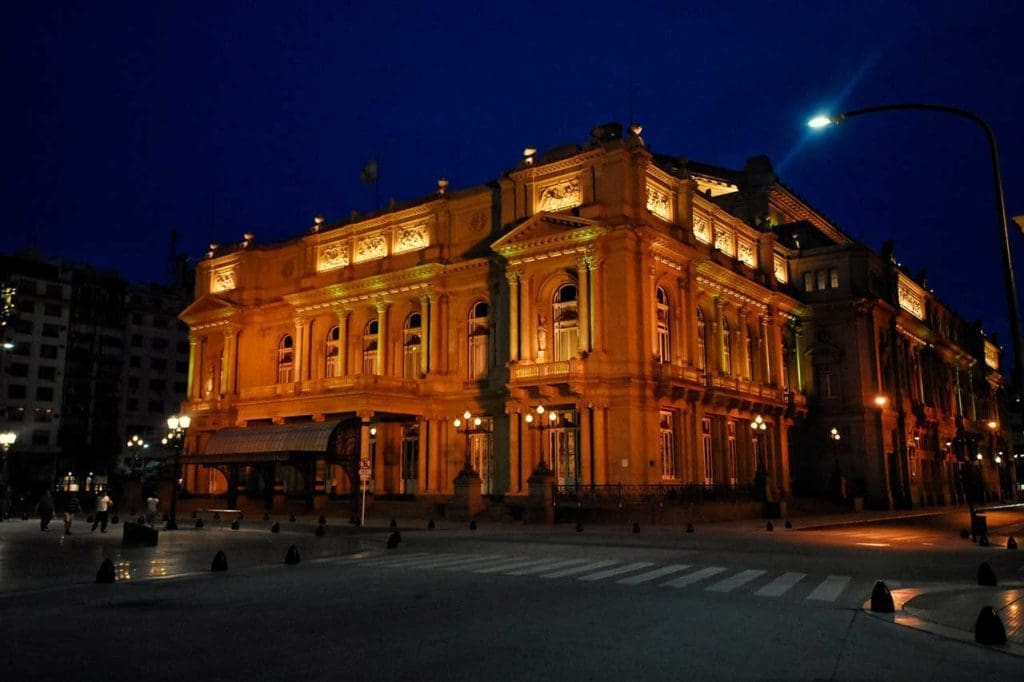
508, 603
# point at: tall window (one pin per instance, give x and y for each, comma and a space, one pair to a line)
669, 463
749, 347
333, 368
370, 347
412, 336
705, 439
702, 347
565, 448
285, 358
726, 347
664, 322
479, 332
833, 278
566, 320
733, 470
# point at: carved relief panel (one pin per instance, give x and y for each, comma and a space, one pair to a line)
701, 228
659, 201
371, 247
566, 193
224, 278
781, 271
910, 298
411, 238
725, 241
332, 256
745, 252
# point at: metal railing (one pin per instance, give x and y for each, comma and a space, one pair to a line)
658, 493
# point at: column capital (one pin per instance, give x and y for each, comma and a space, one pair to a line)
299, 320
381, 304
513, 275
193, 337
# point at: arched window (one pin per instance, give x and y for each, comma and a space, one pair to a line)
726, 347
702, 346
370, 347
333, 368
566, 318
669, 461
285, 358
411, 343
479, 334
750, 348
664, 324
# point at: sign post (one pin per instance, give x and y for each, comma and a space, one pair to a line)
364, 481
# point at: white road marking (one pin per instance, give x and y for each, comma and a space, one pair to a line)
470, 558
510, 565
652, 575
781, 585
738, 580
547, 566
830, 588
695, 577
579, 569
616, 571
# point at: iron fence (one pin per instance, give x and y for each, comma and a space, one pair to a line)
620, 495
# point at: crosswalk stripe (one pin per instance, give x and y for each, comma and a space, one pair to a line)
410, 561
376, 561
738, 580
696, 576
547, 566
470, 564
510, 565
576, 570
652, 575
619, 570
781, 585
443, 563
830, 588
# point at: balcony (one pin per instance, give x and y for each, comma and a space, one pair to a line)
353, 383
547, 371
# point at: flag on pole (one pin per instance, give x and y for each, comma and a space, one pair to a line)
369, 173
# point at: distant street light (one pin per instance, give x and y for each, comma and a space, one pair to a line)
822, 121
758, 427
176, 428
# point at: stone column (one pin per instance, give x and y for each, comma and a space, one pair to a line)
765, 352
423, 455
597, 321
683, 322
600, 444
797, 333
382, 337
425, 315
528, 318
342, 315
298, 350
433, 331
513, 314
740, 345
194, 366
583, 302
586, 472
230, 355
717, 335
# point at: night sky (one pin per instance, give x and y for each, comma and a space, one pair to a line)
126, 121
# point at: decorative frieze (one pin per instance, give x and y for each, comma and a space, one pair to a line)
781, 271
371, 247
560, 195
725, 241
332, 256
745, 252
659, 202
911, 297
701, 228
224, 278
991, 355
411, 238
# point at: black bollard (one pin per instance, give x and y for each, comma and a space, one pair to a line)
881, 599
141, 520
291, 518
394, 539
965, 534
769, 527
319, 530
24, 516
986, 576
216, 516
266, 516
393, 524
983, 541
579, 527
241, 516
276, 528
195, 515
988, 629
115, 520
322, 520
199, 524
789, 524
220, 561
292, 557
235, 524
1011, 543
106, 573
431, 525
472, 525
690, 528
636, 527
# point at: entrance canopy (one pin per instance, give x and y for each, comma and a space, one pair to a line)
265, 443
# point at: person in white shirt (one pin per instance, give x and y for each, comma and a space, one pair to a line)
103, 503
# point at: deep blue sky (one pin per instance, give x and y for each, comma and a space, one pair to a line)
125, 121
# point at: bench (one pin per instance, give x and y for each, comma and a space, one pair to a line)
222, 514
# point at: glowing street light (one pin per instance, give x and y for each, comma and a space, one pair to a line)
468, 425
551, 419
176, 428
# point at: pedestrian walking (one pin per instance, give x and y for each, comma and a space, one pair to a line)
152, 502
70, 509
45, 509
103, 503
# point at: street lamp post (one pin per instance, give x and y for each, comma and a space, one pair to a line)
468, 425
758, 427
838, 484
7, 439
539, 424
1008, 276
176, 428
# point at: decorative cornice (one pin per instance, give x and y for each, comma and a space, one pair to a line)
531, 173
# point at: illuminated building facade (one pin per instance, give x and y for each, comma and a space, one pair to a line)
656, 306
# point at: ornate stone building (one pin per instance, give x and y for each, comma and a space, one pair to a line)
657, 310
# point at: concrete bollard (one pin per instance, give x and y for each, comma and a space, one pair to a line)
276, 528
393, 524
1011, 543
394, 539
431, 525
319, 530
220, 561
235, 525
986, 576
472, 525
579, 527
769, 527
199, 524
322, 520
216, 516
636, 527
789, 524
292, 557
106, 573
291, 518
690, 528
988, 629
881, 599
